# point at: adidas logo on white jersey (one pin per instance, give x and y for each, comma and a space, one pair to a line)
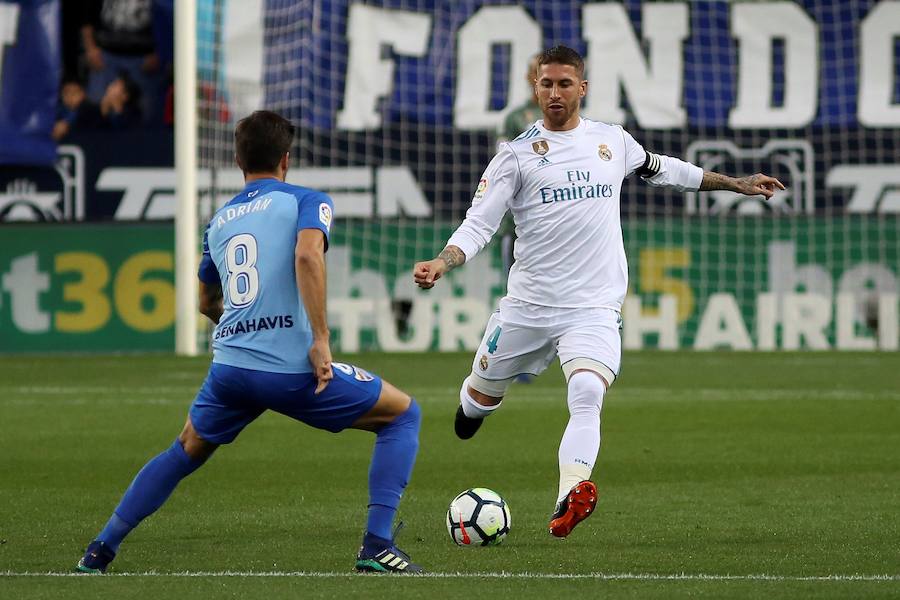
543, 162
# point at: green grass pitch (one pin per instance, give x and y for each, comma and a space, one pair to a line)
721, 475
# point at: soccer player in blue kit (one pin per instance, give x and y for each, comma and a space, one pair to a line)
262, 281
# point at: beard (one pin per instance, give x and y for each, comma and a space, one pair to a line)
556, 119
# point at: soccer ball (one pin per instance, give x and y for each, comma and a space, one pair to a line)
478, 517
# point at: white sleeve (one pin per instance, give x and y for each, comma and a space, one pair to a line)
635, 155
659, 169
662, 170
497, 187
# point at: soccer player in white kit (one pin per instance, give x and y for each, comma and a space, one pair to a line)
561, 180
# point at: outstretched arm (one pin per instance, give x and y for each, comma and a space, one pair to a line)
661, 170
426, 273
751, 185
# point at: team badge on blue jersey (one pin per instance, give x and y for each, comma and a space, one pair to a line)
325, 215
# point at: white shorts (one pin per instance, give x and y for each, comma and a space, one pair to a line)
524, 338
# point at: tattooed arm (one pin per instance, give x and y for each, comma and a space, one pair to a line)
499, 183
427, 272
752, 185
453, 256
661, 170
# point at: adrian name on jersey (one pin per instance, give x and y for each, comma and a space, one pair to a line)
254, 325
231, 213
578, 187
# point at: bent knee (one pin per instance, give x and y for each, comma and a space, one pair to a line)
579, 365
392, 401
194, 445
597, 378
483, 399
477, 404
586, 390
487, 392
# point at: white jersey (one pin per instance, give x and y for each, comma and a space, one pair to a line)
562, 188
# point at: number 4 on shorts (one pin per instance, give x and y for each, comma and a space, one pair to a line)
492, 341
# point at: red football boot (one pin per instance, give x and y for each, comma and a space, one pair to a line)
573, 509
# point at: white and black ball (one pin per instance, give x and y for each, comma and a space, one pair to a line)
478, 517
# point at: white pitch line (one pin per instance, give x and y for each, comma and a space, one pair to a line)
493, 575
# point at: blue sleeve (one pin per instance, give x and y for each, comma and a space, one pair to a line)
315, 211
208, 273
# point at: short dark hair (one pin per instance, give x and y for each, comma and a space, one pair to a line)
562, 55
260, 141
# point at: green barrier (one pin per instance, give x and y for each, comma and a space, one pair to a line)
695, 282
835, 278
87, 288
745, 283
777, 272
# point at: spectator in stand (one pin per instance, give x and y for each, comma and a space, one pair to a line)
75, 110
118, 36
118, 109
121, 103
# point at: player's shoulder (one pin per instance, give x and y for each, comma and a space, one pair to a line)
599, 127
300, 192
524, 140
303, 196
608, 133
270, 197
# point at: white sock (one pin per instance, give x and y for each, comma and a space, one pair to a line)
569, 477
581, 440
471, 408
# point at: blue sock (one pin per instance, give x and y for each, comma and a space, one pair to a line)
150, 489
396, 445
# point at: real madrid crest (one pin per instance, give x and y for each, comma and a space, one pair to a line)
604, 152
483, 363
541, 147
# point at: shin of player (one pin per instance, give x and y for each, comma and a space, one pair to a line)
580, 443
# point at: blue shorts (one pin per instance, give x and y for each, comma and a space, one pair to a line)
232, 397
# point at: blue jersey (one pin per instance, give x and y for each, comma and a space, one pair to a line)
248, 249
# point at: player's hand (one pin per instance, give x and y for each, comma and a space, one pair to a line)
758, 185
426, 273
320, 359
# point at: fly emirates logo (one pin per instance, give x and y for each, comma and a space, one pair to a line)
578, 187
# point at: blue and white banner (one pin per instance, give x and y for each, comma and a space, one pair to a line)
354, 65
29, 80
808, 91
